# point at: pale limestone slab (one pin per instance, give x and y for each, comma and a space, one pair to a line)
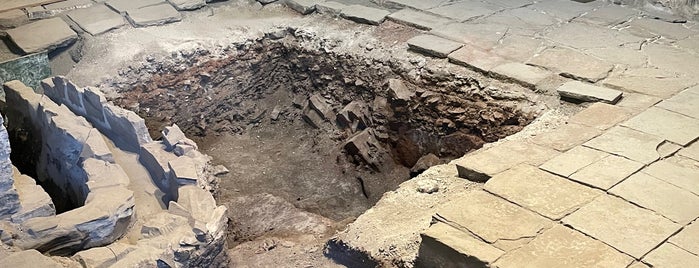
628, 57
566, 136
608, 15
485, 163
129, 5
663, 87
691, 151
577, 65
600, 115
677, 204
672, 126
302, 6
571, 161
638, 264
622, 225
565, 10
635, 102
417, 4
418, 19
580, 91
681, 176
563, 247
629, 143
465, 11
672, 59
432, 45
606, 172
97, 19
366, 15
688, 238
581, 35
47, 34
461, 242
684, 103
518, 47
484, 36
669, 255
475, 58
330, 7
545, 193
524, 74
646, 27
153, 15
522, 20
490, 218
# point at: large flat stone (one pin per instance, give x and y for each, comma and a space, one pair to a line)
465, 11
13, 18
688, 238
432, 45
123, 6
153, 15
47, 34
302, 6
521, 73
29, 258
445, 245
542, 192
600, 115
581, 35
97, 19
635, 102
484, 36
577, 65
608, 15
685, 177
649, 28
475, 58
684, 103
622, 225
330, 7
663, 87
483, 164
675, 203
625, 57
672, 126
366, 15
669, 255
606, 172
565, 10
468, 214
518, 47
691, 151
563, 247
629, 143
672, 59
573, 160
187, 4
417, 4
524, 21
587, 92
566, 136
418, 19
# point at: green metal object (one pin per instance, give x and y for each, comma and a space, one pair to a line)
30, 69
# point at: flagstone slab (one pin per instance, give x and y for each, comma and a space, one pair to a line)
566, 136
669, 255
573, 160
629, 143
97, 19
683, 176
475, 58
684, 103
585, 92
600, 115
669, 125
663, 87
433, 45
418, 19
521, 73
581, 35
465, 10
646, 27
576, 64
484, 163
606, 172
688, 238
691, 151
484, 36
42, 35
442, 243
608, 15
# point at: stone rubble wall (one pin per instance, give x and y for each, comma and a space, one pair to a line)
9, 200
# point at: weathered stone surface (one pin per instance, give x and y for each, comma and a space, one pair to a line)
123, 6
184, 170
629, 143
628, 57
676, 174
155, 159
521, 73
475, 58
675, 203
523, 21
187, 4
96, 147
20, 259
163, 224
581, 35
649, 28
418, 19
153, 15
13, 18
302, 6
544, 193
354, 116
672, 59
467, 214
587, 92
606, 172
330, 7
362, 14
563, 247
197, 201
417, 4
577, 65
465, 11
608, 15
669, 255
432, 45
672, 126
425, 162
614, 221
688, 238
683, 103
399, 91
566, 136
663, 87
364, 146
104, 174
97, 19
571, 161
484, 36
637, 102
9, 199
600, 115
42, 35
127, 129
565, 10
33, 200
484, 163
445, 245
59, 7
518, 47
172, 135
103, 256
691, 151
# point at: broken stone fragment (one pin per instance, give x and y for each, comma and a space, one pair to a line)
425, 162
354, 116
220, 170
365, 148
399, 91
427, 186
162, 224
172, 135
184, 170
197, 201
322, 106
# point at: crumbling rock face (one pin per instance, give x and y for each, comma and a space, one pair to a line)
9, 200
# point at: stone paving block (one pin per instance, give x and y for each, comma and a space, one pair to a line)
675, 203
691, 44
97, 19
637, 102
566, 136
432, 45
577, 65
672, 59
459, 247
663, 87
511, 4
123, 6
686, 177
563, 247
68, 5
468, 213
606, 172
47, 34
484, 163
573, 160
417, 4
187, 4
418, 19
303, 6
638, 264
465, 11
526, 75
626, 56
688, 238
565, 10
669, 255
521, 20
608, 15
622, 225
547, 194
484, 36
13, 18
672, 126
475, 58
362, 14
330, 7
648, 28
684, 103
153, 15
518, 47
629, 143
581, 35
600, 115
588, 92
691, 151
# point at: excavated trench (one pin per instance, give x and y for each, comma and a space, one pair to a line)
313, 137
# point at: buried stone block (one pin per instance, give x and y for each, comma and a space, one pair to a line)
197, 201
365, 148
580, 91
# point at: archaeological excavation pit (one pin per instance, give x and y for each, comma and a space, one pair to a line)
313, 135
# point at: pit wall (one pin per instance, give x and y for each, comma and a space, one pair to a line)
9, 200
76, 158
